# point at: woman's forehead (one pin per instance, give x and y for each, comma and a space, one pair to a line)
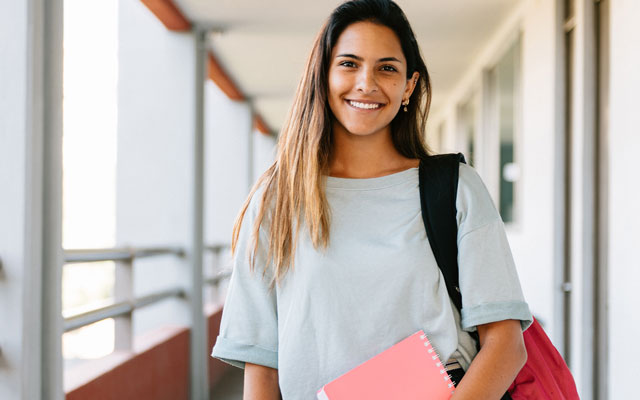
368, 40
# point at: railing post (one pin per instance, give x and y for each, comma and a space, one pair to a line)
123, 291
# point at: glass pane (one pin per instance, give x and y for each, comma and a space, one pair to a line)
506, 76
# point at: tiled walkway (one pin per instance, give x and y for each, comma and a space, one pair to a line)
230, 386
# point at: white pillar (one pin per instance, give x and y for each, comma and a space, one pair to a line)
31, 181
198, 344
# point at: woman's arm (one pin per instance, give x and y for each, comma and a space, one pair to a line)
260, 383
502, 355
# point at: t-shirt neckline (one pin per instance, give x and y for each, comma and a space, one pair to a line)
378, 182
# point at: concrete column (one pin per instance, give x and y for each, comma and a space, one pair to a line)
198, 354
31, 182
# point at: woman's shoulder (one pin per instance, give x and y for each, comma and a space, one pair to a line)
473, 202
261, 207
469, 181
256, 199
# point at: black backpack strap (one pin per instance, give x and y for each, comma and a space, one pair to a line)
438, 191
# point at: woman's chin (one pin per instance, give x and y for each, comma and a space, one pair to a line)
363, 130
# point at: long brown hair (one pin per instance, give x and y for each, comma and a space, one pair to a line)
293, 184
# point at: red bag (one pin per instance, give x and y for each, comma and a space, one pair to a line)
545, 376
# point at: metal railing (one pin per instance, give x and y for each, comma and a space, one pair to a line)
124, 301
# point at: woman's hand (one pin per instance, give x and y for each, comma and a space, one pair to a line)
502, 355
260, 383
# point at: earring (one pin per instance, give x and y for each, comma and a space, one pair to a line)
405, 104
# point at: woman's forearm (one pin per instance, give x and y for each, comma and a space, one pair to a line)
502, 355
260, 383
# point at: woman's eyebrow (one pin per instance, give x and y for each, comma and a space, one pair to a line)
384, 59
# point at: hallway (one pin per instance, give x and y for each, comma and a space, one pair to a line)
133, 130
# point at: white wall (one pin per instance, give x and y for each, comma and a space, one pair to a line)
229, 171
531, 236
155, 135
624, 199
264, 150
228, 129
156, 100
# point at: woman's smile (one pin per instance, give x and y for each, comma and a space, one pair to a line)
362, 105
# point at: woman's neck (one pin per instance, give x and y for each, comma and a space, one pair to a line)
366, 156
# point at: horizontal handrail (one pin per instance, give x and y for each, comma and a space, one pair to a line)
216, 248
118, 309
118, 254
128, 253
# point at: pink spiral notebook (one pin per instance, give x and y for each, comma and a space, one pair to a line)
409, 370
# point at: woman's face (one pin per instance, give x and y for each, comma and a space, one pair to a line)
367, 79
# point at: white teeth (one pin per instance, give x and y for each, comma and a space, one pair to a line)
365, 106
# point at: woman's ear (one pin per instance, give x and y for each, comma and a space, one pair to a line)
411, 85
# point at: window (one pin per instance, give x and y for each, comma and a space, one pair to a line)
504, 95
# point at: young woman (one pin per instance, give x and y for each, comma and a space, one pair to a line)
332, 264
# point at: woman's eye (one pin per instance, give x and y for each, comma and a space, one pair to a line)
389, 68
349, 64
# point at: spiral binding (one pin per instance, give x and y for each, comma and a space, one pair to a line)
436, 357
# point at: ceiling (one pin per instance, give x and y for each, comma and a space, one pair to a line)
263, 44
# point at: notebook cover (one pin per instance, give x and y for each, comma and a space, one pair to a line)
409, 370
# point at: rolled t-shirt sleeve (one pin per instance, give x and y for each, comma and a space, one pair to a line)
489, 281
249, 326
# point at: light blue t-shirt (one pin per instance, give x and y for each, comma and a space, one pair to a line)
376, 284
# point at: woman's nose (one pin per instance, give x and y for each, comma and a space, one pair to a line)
366, 82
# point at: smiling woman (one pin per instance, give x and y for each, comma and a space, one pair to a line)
334, 228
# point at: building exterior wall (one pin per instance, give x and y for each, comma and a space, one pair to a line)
532, 235
624, 198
